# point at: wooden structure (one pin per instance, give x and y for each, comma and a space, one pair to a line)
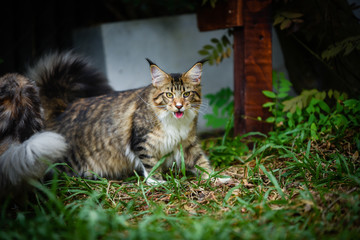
251, 20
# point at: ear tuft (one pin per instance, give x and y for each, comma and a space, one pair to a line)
150, 62
202, 61
194, 74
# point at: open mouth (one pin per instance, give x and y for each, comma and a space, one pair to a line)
179, 114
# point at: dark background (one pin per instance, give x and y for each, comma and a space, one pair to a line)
31, 28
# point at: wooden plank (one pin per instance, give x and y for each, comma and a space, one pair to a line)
252, 66
226, 14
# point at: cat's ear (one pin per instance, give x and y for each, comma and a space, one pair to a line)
194, 74
158, 76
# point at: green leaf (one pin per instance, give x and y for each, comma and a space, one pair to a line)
285, 24
203, 52
290, 105
347, 45
339, 107
353, 104
157, 165
275, 77
215, 40
313, 129
320, 95
283, 81
268, 104
208, 47
214, 121
330, 93
282, 95
270, 119
225, 40
312, 119
278, 19
307, 153
292, 14
215, 54
228, 52
273, 181
349, 48
269, 94
219, 47
280, 119
291, 123
324, 106
229, 193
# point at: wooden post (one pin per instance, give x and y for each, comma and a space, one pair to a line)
252, 67
251, 20
226, 14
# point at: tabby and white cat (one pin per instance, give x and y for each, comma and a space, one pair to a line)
113, 134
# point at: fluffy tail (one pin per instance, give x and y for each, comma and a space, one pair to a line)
20, 110
63, 78
23, 147
29, 160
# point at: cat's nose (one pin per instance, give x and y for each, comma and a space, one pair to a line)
178, 105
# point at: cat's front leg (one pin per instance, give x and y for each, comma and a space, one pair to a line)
203, 163
145, 167
194, 156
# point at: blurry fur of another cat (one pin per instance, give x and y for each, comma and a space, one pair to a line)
25, 149
117, 133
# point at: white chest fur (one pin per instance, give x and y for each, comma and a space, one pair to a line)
175, 130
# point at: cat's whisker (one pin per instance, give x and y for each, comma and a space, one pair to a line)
155, 120
204, 107
203, 111
203, 103
201, 108
200, 111
157, 116
143, 100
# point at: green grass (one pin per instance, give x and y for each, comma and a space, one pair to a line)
297, 182
299, 191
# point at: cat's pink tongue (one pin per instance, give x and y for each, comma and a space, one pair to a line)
179, 114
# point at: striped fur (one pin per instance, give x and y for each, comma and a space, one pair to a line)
25, 149
117, 133
75, 78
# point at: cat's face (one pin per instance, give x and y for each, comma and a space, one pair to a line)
177, 93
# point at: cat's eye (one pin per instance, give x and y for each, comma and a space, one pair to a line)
169, 95
186, 94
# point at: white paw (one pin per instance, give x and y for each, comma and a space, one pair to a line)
222, 180
151, 181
